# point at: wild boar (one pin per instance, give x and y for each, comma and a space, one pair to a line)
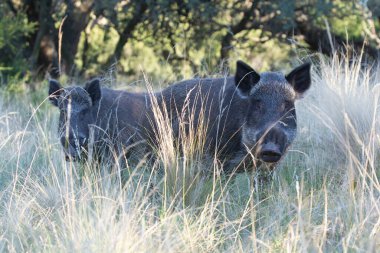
105, 119
250, 116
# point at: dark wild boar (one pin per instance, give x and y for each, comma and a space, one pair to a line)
106, 120
248, 115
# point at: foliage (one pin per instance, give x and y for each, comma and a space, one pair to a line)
185, 38
14, 28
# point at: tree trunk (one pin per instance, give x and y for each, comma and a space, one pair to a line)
86, 47
78, 16
43, 55
126, 34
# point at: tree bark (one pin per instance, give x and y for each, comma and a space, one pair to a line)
126, 34
43, 55
78, 16
86, 47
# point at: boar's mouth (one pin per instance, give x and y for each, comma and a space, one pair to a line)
75, 158
69, 158
270, 156
74, 155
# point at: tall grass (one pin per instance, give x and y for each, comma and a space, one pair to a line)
323, 197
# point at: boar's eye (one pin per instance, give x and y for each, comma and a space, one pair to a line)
63, 104
257, 105
62, 107
84, 112
286, 106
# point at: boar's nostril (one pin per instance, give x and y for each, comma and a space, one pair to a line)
71, 158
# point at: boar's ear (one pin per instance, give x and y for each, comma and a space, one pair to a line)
55, 91
93, 89
245, 77
300, 78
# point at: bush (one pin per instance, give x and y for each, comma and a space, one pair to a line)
13, 30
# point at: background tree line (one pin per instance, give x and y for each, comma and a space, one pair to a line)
189, 36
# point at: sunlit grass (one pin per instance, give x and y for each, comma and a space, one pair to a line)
323, 197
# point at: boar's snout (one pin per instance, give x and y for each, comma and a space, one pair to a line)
73, 146
272, 144
270, 153
79, 141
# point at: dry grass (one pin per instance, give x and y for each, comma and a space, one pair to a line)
323, 197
